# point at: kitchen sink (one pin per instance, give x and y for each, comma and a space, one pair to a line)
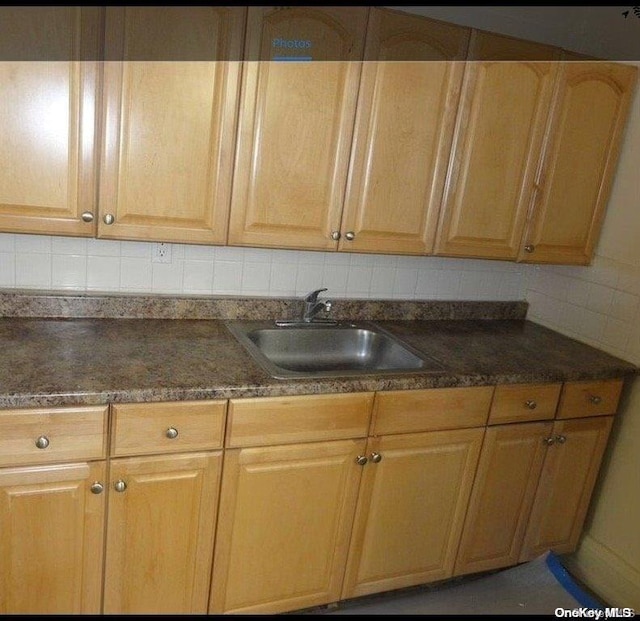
317, 350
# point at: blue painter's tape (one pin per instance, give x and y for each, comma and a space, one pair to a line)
569, 584
293, 58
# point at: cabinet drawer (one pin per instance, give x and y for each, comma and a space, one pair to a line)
285, 420
599, 398
402, 411
524, 402
47, 435
146, 428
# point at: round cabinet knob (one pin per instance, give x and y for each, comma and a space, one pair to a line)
120, 486
97, 488
361, 460
529, 248
595, 399
530, 404
87, 216
548, 441
42, 442
108, 218
335, 235
376, 458
350, 235
561, 439
171, 433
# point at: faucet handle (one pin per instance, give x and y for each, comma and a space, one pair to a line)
312, 297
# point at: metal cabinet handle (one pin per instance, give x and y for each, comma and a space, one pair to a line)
595, 399
335, 235
87, 216
120, 486
529, 248
530, 404
561, 439
108, 218
548, 441
376, 458
171, 433
42, 442
361, 460
350, 235
97, 488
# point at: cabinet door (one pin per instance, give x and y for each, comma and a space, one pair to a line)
296, 123
497, 142
567, 480
169, 124
581, 152
411, 509
160, 533
503, 492
47, 119
404, 125
51, 539
285, 520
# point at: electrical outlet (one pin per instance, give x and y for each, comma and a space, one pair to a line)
161, 252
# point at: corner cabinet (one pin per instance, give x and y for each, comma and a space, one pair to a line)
535, 479
169, 126
299, 90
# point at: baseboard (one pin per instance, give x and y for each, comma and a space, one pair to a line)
606, 574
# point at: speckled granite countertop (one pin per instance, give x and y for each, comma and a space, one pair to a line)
75, 361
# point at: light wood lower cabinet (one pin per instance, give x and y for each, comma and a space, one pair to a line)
503, 492
51, 539
531, 492
285, 522
567, 480
411, 508
161, 524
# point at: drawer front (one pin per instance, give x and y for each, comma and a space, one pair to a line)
147, 428
402, 411
524, 402
286, 420
38, 436
579, 399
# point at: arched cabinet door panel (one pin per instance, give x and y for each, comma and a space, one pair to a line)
581, 152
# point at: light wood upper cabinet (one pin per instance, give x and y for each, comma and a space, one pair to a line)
404, 124
51, 539
296, 123
581, 152
169, 126
496, 148
411, 507
160, 533
48, 120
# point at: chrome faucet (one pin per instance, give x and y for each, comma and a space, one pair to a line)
311, 309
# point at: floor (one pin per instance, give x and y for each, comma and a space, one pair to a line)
537, 588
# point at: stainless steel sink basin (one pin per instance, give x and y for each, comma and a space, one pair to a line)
318, 350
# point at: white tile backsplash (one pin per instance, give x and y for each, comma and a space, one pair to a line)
597, 304
66, 263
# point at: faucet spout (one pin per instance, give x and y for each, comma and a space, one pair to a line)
312, 306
